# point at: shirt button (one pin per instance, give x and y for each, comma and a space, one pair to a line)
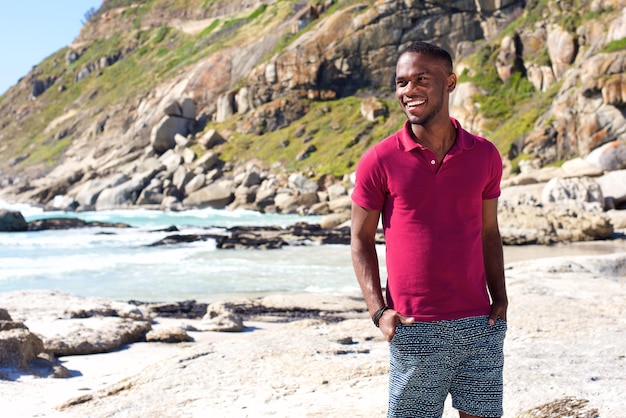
433, 162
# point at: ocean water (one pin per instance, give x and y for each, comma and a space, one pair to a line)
117, 263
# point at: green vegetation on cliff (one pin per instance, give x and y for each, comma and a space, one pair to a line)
139, 50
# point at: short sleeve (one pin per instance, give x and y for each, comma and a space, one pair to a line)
492, 189
370, 185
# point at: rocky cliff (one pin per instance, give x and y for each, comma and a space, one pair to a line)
268, 104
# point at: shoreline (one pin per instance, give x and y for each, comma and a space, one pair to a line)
566, 327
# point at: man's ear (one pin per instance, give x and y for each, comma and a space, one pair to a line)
451, 82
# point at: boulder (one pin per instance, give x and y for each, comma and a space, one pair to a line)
96, 334
168, 335
4, 315
583, 189
196, 183
87, 194
372, 108
188, 109
290, 203
18, 347
12, 221
302, 184
171, 160
552, 223
214, 195
210, 139
221, 316
613, 185
207, 161
73, 325
335, 219
340, 204
609, 157
126, 194
561, 48
335, 191
162, 135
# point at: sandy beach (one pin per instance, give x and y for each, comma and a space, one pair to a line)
566, 340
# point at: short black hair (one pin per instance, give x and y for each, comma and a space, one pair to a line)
420, 47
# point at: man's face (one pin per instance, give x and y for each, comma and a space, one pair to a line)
423, 84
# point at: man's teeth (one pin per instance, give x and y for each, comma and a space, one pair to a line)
415, 102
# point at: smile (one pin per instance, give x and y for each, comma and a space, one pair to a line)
414, 103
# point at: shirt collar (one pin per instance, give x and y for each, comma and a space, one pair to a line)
464, 140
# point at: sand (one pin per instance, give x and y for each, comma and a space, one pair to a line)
566, 340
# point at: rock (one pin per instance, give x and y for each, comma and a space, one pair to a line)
290, 203
334, 219
93, 335
613, 186
541, 76
302, 184
551, 223
609, 157
87, 193
152, 194
581, 167
372, 108
207, 161
196, 183
210, 139
181, 177
125, 194
188, 155
173, 109
4, 315
562, 49
188, 109
320, 208
70, 325
221, 317
583, 189
62, 203
509, 60
340, 204
18, 347
162, 136
12, 221
336, 191
214, 196
171, 160
564, 407
168, 335
67, 223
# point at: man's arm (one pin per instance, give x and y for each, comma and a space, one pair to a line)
365, 262
364, 257
494, 261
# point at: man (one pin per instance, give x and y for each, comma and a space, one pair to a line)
436, 187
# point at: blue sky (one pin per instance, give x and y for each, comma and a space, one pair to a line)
31, 30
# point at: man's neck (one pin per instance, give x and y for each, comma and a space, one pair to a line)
438, 138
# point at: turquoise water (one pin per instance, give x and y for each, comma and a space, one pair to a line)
117, 263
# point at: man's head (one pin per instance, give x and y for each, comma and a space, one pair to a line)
424, 81
419, 47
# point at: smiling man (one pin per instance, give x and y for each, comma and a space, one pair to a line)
436, 187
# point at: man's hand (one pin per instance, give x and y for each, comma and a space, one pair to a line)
390, 320
498, 310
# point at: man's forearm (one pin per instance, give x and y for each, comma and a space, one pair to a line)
494, 266
366, 268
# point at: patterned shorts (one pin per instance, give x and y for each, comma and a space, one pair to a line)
463, 357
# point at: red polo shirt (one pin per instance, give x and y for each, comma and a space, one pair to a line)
432, 220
